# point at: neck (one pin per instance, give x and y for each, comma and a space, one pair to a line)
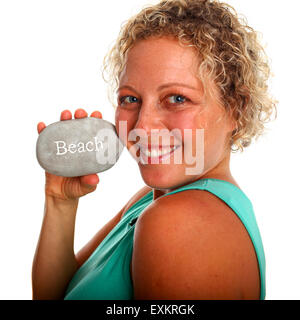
220, 171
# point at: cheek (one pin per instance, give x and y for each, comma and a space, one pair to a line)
124, 117
211, 136
214, 139
190, 122
186, 121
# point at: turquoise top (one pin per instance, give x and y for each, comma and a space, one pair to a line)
105, 275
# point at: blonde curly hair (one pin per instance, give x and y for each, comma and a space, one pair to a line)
229, 53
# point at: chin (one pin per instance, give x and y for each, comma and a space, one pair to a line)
163, 176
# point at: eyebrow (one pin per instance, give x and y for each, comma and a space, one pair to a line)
162, 86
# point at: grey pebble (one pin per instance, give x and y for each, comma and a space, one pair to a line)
78, 147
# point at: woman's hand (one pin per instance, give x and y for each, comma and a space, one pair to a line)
66, 188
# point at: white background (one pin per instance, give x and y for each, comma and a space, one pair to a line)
50, 59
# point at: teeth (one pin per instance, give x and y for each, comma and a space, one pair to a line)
157, 152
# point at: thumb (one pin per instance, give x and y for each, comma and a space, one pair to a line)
89, 181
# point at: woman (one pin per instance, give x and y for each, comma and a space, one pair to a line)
177, 67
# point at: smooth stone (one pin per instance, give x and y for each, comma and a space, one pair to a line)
78, 147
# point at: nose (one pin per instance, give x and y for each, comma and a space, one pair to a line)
149, 122
149, 118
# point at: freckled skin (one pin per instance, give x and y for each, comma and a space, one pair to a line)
150, 64
160, 234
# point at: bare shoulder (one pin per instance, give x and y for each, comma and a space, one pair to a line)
191, 245
136, 197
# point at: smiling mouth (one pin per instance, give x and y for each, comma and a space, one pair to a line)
156, 154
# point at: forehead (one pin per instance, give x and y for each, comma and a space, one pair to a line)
161, 58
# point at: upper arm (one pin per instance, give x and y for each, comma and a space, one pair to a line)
89, 248
191, 246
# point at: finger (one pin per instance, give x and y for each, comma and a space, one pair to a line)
80, 113
96, 114
40, 127
90, 180
66, 115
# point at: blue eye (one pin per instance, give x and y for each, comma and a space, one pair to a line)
174, 99
131, 99
178, 98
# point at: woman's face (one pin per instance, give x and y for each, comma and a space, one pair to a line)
162, 103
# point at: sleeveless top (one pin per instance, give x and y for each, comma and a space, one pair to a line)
105, 275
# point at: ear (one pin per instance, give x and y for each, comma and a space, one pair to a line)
232, 123
244, 95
